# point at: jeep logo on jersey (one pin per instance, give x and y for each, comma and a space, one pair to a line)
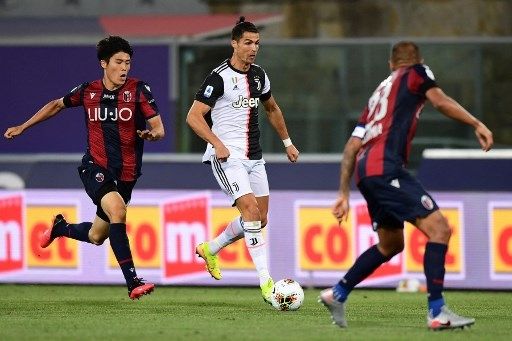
246, 102
123, 114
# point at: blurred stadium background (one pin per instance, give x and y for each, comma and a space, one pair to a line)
324, 58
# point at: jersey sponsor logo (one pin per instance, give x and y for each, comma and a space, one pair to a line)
208, 91
127, 96
123, 114
243, 102
108, 96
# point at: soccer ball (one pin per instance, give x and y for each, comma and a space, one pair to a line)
287, 295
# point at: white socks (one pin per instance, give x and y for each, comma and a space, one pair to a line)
257, 248
253, 240
231, 234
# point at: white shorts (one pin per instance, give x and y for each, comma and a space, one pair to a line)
237, 177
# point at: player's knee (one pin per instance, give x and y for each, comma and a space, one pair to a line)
97, 238
251, 213
117, 213
390, 250
440, 231
397, 248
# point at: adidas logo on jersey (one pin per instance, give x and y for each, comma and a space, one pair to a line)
246, 102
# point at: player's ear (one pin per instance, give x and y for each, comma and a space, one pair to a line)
234, 43
103, 64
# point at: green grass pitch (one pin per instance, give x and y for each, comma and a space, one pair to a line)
52, 312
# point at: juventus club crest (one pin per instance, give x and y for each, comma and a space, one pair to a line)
258, 83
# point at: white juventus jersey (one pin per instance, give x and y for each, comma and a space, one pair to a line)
234, 97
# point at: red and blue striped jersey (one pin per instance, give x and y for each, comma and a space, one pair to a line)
112, 119
387, 125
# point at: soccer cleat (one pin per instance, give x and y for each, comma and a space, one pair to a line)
47, 237
266, 290
447, 319
336, 307
139, 288
212, 263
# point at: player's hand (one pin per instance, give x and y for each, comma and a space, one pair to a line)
147, 135
484, 136
221, 152
340, 209
292, 153
12, 132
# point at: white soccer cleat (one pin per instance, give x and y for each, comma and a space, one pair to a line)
336, 308
447, 319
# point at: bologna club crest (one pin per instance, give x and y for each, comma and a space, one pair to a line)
127, 96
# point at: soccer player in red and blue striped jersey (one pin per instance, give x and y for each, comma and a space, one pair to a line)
378, 151
116, 110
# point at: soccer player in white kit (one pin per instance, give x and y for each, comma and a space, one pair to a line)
232, 93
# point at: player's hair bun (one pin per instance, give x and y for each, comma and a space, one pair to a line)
241, 20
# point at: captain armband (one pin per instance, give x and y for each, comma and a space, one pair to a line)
359, 132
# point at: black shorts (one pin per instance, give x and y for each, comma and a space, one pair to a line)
393, 199
99, 181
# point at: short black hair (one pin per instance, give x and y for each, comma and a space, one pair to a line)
242, 26
405, 52
111, 45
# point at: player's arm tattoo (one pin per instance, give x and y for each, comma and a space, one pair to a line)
348, 163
